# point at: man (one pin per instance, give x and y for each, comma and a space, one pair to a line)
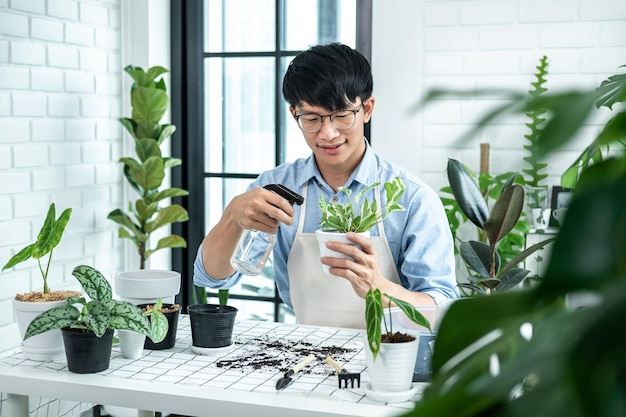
410, 256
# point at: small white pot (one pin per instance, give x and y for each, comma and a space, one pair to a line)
323, 237
393, 369
131, 343
145, 286
46, 346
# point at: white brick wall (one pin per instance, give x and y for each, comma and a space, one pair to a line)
60, 97
463, 44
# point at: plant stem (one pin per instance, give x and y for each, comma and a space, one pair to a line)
46, 290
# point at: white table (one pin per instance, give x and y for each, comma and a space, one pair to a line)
179, 381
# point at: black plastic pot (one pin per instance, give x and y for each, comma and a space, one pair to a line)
87, 353
170, 338
212, 325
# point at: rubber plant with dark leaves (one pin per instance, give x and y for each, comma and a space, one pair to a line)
102, 312
149, 101
375, 319
483, 257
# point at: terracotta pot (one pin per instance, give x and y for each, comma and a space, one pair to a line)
87, 353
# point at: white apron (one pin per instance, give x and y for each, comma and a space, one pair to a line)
319, 299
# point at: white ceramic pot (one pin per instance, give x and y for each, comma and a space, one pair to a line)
131, 343
145, 286
393, 369
46, 346
323, 237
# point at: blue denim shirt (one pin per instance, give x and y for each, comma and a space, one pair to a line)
419, 237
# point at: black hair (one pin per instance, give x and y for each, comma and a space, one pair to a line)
329, 76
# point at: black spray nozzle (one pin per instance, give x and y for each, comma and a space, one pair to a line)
281, 190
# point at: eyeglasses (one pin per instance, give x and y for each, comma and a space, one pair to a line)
341, 119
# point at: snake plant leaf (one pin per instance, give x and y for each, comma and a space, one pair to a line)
373, 318
512, 278
467, 193
478, 256
127, 316
93, 282
97, 317
166, 215
411, 312
171, 241
55, 318
51, 232
505, 213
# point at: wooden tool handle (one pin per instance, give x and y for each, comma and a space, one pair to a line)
334, 364
300, 365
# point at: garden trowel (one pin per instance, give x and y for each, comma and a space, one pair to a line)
286, 380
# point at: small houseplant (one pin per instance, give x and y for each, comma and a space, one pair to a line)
496, 223
150, 101
90, 321
29, 305
165, 317
390, 355
358, 215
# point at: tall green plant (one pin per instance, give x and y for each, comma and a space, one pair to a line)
534, 175
574, 357
145, 174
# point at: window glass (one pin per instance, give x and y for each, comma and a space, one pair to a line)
218, 193
313, 22
239, 25
239, 114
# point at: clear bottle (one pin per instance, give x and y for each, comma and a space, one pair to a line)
254, 247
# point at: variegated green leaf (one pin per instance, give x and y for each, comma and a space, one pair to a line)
93, 282
411, 312
55, 318
159, 326
97, 317
127, 316
373, 318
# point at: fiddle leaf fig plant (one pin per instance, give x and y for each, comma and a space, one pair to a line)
145, 174
48, 238
375, 319
497, 223
102, 312
359, 215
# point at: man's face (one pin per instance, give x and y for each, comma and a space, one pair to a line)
336, 148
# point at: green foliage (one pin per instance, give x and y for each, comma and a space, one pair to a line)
49, 237
496, 224
356, 216
374, 317
102, 312
145, 175
566, 361
534, 176
159, 325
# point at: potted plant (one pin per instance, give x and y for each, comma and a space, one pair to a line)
145, 175
532, 352
164, 316
358, 215
132, 343
483, 257
87, 326
27, 306
390, 355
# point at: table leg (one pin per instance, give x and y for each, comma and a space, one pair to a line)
145, 413
17, 405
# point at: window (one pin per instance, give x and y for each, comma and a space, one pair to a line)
228, 61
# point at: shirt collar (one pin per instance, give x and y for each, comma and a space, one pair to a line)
365, 172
